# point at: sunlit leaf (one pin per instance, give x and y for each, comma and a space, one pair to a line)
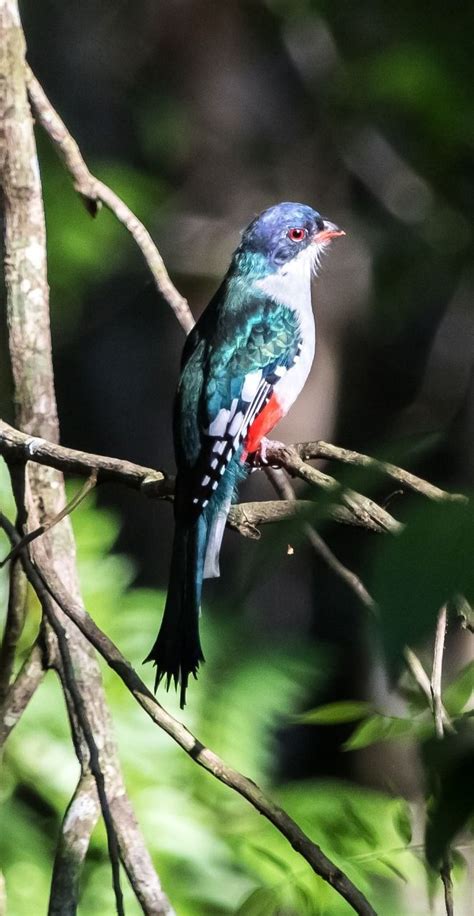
261, 902
460, 691
378, 728
334, 713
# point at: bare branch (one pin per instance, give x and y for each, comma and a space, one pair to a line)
284, 488
95, 192
421, 678
40, 493
13, 625
312, 450
357, 510
436, 693
43, 577
436, 675
20, 692
79, 821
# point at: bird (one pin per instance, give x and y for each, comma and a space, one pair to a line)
243, 365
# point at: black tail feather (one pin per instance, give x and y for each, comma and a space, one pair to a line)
177, 651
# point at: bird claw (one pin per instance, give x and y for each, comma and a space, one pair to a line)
259, 458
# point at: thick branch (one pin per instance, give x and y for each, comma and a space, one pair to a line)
357, 509
13, 625
95, 192
20, 692
79, 821
40, 495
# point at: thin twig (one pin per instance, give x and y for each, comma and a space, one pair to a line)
320, 449
421, 678
95, 192
50, 523
365, 510
284, 488
180, 734
436, 692
436, 675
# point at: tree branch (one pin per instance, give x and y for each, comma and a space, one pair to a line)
357, 510
14, 623
95, 192
39, 493
283, 487
41, 577
79, 821
436, 693
20, 692
320, 449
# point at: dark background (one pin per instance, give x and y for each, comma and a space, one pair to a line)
200, 114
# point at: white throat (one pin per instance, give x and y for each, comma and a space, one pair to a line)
291, 286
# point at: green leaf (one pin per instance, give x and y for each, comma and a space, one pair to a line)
261, 902
460, 690
334, 713
402, 823
378, 728
420, 569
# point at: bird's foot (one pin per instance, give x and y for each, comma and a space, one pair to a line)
260, 459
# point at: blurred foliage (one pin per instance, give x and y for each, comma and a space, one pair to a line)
199, 115
213, 853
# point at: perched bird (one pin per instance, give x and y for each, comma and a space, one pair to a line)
244, 363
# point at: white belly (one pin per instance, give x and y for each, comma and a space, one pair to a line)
292, 382
291, 285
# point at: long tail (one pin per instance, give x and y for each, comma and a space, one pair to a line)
177, 651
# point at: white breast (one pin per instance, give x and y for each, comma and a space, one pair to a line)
291, 285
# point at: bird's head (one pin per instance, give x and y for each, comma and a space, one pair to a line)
281, 234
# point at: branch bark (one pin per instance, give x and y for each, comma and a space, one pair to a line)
20, 692
42, 576
436, 693
40, 493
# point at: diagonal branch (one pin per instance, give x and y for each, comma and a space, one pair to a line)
95, 192
14, 623
285, 490
43, 577
39, 491
356, 509
311, 450
20, 692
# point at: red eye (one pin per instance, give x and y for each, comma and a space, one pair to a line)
296, 234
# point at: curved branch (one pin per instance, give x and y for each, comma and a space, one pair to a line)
14, 623
284, 488
320, 449
357, 509
20, 692
95, 192
42, 577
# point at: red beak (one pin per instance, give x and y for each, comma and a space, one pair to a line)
330, 231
